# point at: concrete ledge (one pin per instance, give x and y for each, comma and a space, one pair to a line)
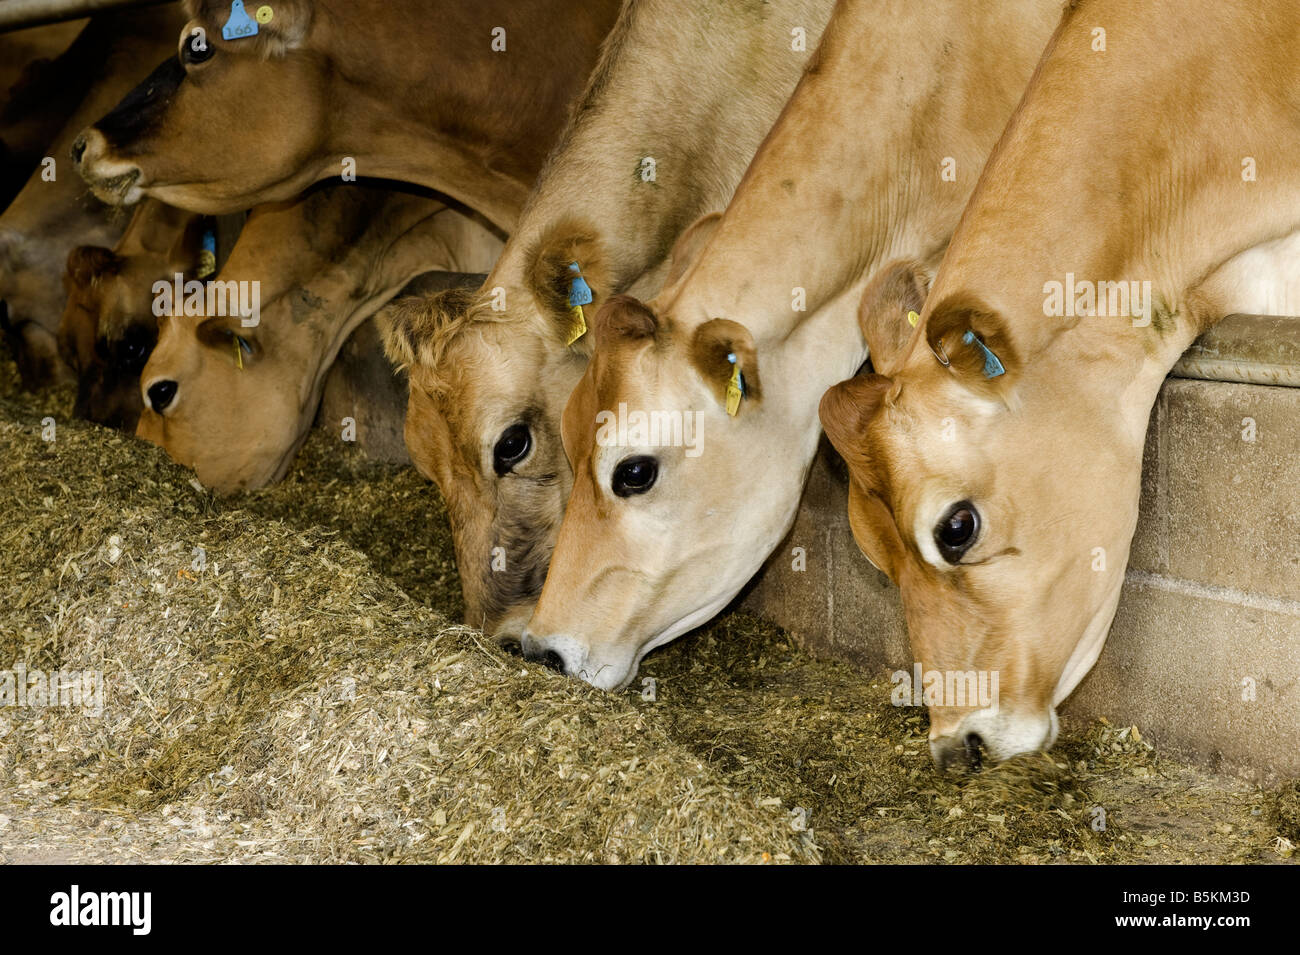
1250, 349
1211, 606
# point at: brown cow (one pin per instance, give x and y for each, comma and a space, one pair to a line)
464, 98
692, 432
108, 327
680, 100
234, 395
50, 218
996, 454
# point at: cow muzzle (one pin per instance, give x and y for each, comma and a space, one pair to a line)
114, 181
991, 736
555, 653
569, 656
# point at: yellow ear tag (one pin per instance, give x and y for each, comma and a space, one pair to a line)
580, 294
265, 14
913, 318
735, 387
579, 326
207, 265
239, 352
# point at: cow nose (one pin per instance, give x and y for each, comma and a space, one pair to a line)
161, 394
79, 148
537, 652
958, 754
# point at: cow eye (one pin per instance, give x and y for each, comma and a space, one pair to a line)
635, 476
511, 448
196, 50
133, 350
956, 532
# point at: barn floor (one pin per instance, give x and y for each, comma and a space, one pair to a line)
301, 695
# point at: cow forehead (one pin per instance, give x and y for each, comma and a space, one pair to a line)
491, 362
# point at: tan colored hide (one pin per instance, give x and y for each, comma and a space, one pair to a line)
234, 395
678, 104
874, 156
1164, 159
463, 98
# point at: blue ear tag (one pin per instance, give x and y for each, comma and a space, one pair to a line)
992, 365
240, 24
207, 255
579, 291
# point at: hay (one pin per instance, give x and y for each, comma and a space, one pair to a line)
284, 702
827, 740
1284, 814
303, 697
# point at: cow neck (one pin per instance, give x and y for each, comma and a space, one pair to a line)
447, 167
419, 235
478, 131
1156, 196
330, 246
851, 176
618, 170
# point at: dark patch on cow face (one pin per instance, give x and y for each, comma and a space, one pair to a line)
504, 526
304, 306
108, 392
142, 109
528, 505
527, 538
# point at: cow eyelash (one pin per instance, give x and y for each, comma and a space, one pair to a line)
225, 338
244, 343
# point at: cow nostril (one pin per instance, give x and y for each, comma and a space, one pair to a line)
161, 394
79, 148
553, 661
974, 751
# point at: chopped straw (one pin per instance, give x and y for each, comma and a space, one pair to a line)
283, 682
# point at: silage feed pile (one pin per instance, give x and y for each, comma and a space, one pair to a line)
281, 682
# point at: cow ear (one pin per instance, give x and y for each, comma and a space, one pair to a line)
186, 252
975, 342
87, 264
689, 244
411, 327
723, 353
847, 409
875, 531
890, 310
622, 319
570, 280
846, 412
